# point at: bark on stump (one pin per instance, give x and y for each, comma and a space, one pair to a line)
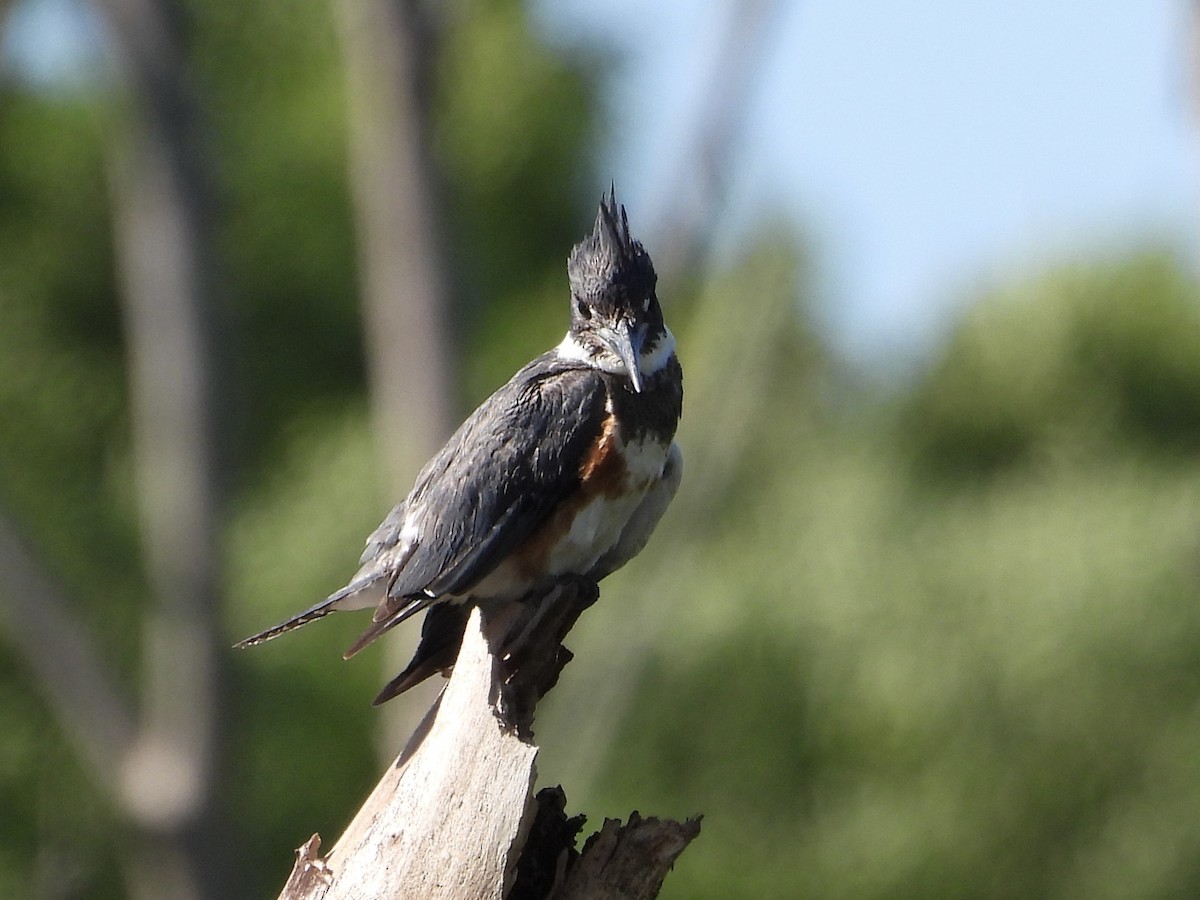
455, 815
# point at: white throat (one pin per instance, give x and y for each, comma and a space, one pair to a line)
651, 361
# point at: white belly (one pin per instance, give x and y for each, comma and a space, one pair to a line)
594, 531
599, 524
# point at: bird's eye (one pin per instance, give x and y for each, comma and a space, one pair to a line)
582, 310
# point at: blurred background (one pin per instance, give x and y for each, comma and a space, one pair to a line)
924, 620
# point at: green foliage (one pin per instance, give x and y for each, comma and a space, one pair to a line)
876, 687
976, 676
302, 465
55, 834
513, 120
274, 95
63, 416
1078, 358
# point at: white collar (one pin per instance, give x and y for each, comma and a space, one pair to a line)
651, 361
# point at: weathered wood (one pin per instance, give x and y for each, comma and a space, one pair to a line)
454, 817
446, 820
619, 862
627, 861
311, 875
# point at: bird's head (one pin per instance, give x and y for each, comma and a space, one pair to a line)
615, 317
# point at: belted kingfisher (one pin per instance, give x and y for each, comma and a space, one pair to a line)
563, 472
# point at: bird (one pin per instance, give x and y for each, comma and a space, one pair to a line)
563, 472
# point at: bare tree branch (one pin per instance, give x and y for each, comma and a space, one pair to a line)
699, 185
38, 622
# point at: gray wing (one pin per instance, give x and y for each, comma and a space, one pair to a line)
493, 483
442, 630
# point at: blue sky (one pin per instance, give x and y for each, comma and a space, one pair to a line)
930, 147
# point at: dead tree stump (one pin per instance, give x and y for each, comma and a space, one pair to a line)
455, 815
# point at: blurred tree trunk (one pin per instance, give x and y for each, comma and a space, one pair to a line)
36, 617
163, 199
405, 282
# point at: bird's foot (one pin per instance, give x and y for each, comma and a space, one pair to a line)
533, 656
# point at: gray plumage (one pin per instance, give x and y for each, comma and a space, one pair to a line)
565, 470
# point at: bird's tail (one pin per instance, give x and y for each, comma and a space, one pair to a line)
441, 638
345, 598
390, 613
